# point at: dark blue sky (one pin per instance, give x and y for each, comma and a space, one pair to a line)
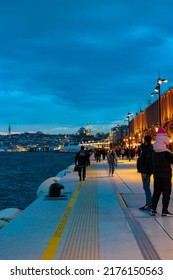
67, 63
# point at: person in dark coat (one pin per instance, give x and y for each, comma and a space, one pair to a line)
98, 155
112, 161
82, 160
162, 160
144, 166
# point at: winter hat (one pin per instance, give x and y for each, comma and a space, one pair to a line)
161, 130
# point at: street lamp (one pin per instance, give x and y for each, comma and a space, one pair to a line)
157, 91
128, 119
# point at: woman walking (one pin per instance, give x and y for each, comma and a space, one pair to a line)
112, 161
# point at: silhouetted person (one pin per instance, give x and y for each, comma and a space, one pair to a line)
162, 160
144, 166
98, 155
112, 161
82, 160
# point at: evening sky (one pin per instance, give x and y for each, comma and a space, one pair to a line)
68, 63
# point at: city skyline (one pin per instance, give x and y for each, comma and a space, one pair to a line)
65, 64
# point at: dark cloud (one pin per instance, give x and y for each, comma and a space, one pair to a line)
67, 63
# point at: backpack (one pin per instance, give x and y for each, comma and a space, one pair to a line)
139, 164
144, 161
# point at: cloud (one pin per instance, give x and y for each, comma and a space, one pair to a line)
66, 63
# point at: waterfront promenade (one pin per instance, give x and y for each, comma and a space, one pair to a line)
97, 219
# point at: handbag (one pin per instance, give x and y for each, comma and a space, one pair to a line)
76, 168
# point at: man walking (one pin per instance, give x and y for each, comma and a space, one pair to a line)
82, 160
162, 160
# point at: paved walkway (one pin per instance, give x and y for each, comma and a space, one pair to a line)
95, 219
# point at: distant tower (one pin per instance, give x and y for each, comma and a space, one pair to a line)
100, 130
9, 128
90, 128
87, 127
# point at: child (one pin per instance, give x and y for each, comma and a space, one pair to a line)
162, 140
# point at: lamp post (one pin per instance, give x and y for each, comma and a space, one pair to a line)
157, 91
128, 119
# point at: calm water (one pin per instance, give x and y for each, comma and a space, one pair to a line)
22, 173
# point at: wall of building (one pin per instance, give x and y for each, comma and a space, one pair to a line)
150, 115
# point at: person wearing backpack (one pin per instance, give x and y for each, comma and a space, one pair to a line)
82, 161
144, 166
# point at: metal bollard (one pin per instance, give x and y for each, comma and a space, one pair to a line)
55, 189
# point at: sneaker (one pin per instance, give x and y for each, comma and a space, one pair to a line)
146, 208
167, 214
154, 213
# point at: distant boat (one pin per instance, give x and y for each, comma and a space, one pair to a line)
76, 148
70, 149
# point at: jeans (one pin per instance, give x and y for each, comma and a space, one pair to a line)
82, 171
111, 168
146, 187
162, 186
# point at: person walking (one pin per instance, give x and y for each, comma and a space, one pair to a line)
144, 166
82, 160
98, 155
162, 160
112, 161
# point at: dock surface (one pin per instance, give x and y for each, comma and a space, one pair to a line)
95, 219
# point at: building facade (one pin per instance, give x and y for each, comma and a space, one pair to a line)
149, 118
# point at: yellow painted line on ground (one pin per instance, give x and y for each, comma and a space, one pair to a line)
50, 251
121, 201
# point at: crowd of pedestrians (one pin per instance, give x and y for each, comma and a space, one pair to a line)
121, 152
